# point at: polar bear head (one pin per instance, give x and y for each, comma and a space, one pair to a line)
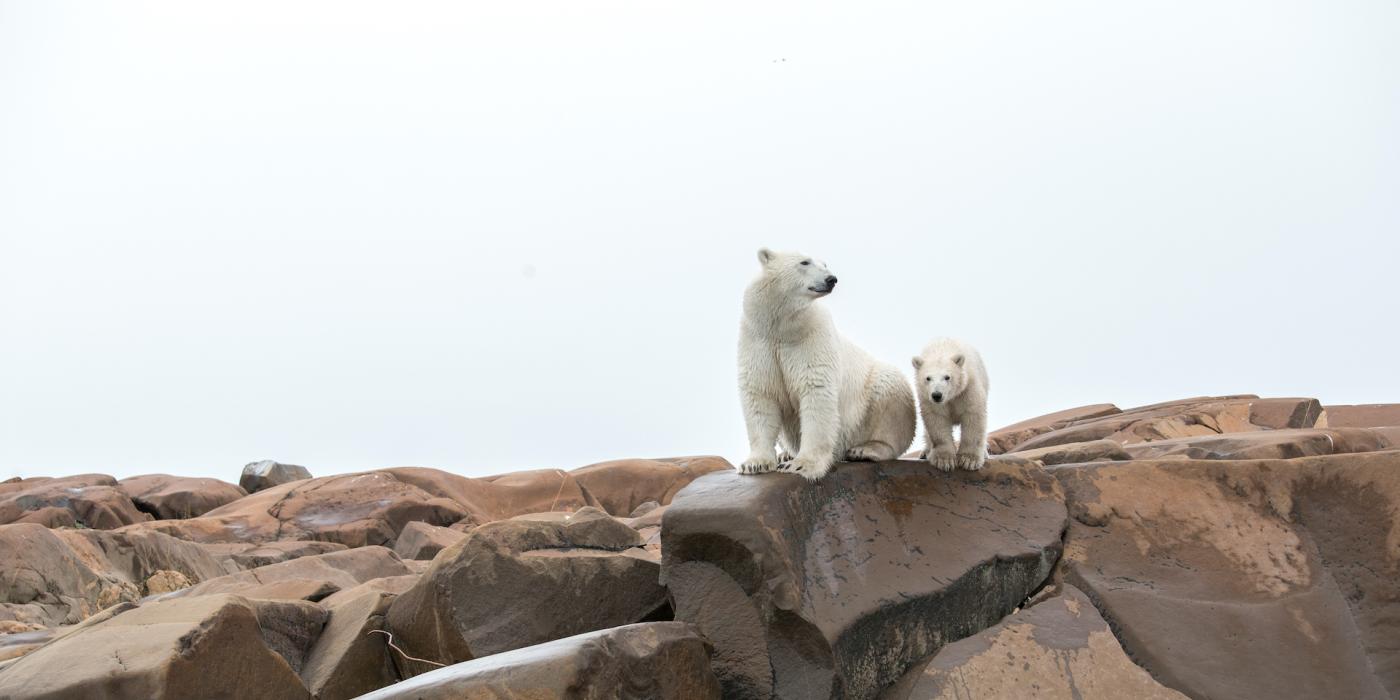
796, 274
941, 372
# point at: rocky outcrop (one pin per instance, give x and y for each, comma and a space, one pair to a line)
1266, 444
351, 657
1060, 649
576, 567
1246, 579
836, 589
1009, 438
1185, 418
621, 486
309, 578
257, 476
1076, 452
206, 647
424, 541
657, 661
169, 497
1369, 415
88, 500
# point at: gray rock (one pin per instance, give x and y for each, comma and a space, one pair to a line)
260, 475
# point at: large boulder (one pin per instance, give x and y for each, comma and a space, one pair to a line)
1367, 415
55, 577
1059, 649
209, 647
352, 655
424, 541
310, 578
1185, 418
1006, 439
835, 589
656, 660
1245, 579
1266, 444
517, 583
257, 476
86, 500
169, 497
620, 486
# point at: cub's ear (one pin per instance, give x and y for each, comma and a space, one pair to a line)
765, 255
958, 360
918, 362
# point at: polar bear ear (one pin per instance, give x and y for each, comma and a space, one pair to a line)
918, 362
764, 256
958, 360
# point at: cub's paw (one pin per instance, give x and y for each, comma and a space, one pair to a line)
971, 462
758, 465
945, 461
808, 468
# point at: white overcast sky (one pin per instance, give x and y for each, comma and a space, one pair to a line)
489, 236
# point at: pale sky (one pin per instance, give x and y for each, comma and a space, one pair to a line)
487, 237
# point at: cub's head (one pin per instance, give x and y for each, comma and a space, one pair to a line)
940, 375
797, 274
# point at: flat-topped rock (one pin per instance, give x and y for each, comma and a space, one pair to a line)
1366, 415
1059, 649
835, 589
1245, 579
1186, 418
170, 497
656, 661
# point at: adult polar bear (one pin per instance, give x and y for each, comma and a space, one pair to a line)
801, 382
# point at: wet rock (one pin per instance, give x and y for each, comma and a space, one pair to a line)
1076, 452
1007, 439
351, 657
257, 476
87, 500
836, 589
169, 497
424, 541
657, 660
1245, 579
204, 647
1060, 649
575, 568
309, 578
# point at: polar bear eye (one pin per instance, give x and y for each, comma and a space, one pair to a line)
806, 262
946, 377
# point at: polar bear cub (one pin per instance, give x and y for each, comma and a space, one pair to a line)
952, 385
802, 383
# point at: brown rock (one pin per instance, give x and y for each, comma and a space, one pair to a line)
210, 647
621, 486
1076, 452
282, 550
1246, 579
1185, 418
1269, 444
165, 581
257, 476
392, 585
1369, 415
469, 602
657, 661
493, 498
1006, 439
424, 541
307, 578
87, 500
168, 497
836, 589
1059, 649
351, 657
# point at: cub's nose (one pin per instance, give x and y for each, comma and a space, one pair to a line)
831, 280
937, 397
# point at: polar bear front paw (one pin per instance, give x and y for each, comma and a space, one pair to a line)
784, 456
808, 468
970, 462
945, 461
758, 465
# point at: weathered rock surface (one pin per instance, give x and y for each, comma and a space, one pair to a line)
87, 500
1185, 418
836, 589
208, 647
257, 476
656, 661
621, 486
1007, 439
1076, 452
1368, 415
251, 557
169, 497
54, 577
424, 541
393, 585
1059, 649
575, 567
350, 658
309, 578
1267, 444
1246, 579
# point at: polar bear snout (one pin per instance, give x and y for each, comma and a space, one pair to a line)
826, 286
937, 396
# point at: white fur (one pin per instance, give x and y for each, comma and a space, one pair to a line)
802, 383
952, 370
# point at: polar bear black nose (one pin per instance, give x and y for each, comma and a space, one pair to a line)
937, 397
831, 280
